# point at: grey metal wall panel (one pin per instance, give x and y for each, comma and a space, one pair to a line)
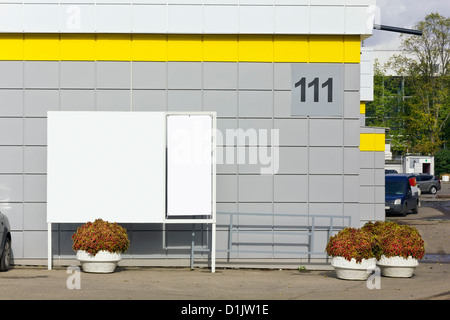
35, 159
351, 105
149, 75
326, 188
11, 103
77, 74
282, 104
351, 188
149, 100
282, 76
248, 159
293, 160
367, 177
290, 188
226, 160
33, 248
226, 188
113, 75
11, 75
322, 208
326, 132
379, 194
14, 211
367, 159
41, 74
35, 216
379, 159
184, 100
35, 131
224, 102
38, 102
326, 160
113, 100
12, 188
293, 132
255, 76
351, 133
35, 188
77, 100
184, 75
220, 75
11, 131
11, 159
351, 160
352, 76
226, 126
255, 188
255, 104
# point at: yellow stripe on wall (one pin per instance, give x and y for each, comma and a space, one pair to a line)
372, 142
362, 107
140, 47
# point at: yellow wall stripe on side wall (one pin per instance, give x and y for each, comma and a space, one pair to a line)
140, 47
372, 141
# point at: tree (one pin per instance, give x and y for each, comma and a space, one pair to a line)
427, 112
442, 162
388, 108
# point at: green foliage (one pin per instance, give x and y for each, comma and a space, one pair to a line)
416, 103
100, 235
442, 161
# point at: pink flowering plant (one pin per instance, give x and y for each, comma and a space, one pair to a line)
393, 239
99, 235
351, 243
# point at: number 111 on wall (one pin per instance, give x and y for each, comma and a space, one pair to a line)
315, 84
317, 89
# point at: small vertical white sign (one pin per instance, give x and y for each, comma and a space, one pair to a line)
189, 165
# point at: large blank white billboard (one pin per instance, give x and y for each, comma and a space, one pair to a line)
108, 165
113, 165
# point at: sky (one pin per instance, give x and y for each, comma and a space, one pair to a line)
403, 14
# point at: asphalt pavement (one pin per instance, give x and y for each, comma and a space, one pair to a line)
193, 288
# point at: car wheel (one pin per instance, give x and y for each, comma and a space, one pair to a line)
403, 213
416, 209
6, 256
433, 190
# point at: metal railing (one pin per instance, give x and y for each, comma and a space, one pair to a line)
308, 230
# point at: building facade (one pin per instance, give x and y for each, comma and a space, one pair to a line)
238, 58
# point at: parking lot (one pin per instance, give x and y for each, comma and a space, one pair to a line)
430, 281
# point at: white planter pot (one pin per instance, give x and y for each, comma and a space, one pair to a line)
102, 262
352, 270
397, 266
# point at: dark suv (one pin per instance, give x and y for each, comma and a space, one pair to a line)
5, 243
428, 183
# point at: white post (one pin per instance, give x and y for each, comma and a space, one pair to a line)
49, 246
213, 247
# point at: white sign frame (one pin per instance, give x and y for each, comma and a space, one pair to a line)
59, 145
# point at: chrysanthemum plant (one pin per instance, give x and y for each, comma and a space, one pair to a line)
99, 235
351, 243
392, 239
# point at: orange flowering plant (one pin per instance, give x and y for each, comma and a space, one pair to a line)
351, 243
99, 235
393, 239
